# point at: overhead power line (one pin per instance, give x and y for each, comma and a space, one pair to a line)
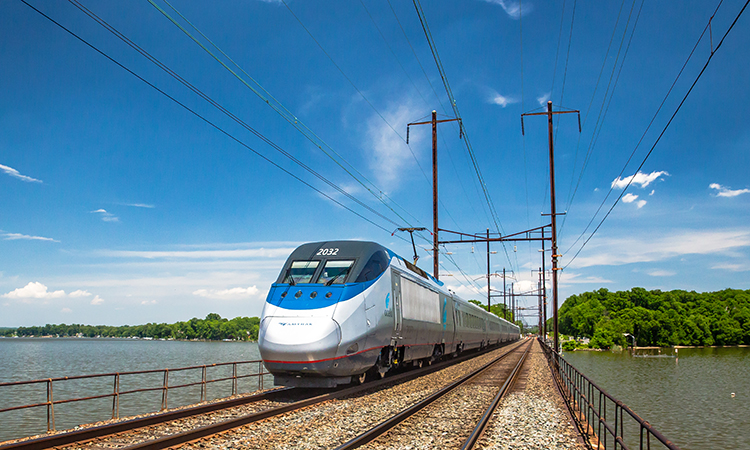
708, 61
457, 114
204, 119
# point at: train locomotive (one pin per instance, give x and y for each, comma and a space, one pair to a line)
344, 310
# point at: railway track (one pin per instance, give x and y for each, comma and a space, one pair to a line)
447, 414
164, 430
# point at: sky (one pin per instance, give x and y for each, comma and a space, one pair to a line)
129, 196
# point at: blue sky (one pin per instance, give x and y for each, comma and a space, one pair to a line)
120, 206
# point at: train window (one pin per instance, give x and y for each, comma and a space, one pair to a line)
375, 266
335, 272
300, 272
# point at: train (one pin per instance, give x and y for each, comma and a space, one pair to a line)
342, 311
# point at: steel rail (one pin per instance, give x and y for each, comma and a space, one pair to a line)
485, 419
395, 420
86, 434
210, 430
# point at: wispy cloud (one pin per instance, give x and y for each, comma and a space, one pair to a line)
576, 278
202, 254
15, 174
662, 273
640, 179
513, 8
496, 98
726, 192
19, 236
630, 198
544, 98
228, 294
139, 205
732, 267
106, 216
673, 243
97, 300
387, 159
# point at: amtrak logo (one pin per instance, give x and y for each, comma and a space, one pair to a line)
284, 324
387, 300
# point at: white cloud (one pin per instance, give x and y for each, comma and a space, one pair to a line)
513, 8
106, 216
576, 278
662, 273
544, 98
203, 254
80, 293
34, 290
19, 236
148, 302
630, 198
14, 173
726, 192
732, 267
228, 294
652, 247
38, 291
639, 178
497, 99
140, 205
389, 160
66, 310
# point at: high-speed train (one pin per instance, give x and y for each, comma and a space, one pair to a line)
343, 310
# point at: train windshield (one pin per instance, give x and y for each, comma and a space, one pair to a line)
301, 272
335, 272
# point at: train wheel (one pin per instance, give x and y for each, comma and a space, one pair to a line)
359, 379
418, 363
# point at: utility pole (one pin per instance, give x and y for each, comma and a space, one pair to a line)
505, 305
434, 123
553, 211
539, 289
544, 288
488, 270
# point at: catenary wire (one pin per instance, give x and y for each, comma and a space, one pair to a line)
199, 116
648, 127
290, 117
713, 52
225, 111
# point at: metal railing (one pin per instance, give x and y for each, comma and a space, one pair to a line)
116, 393
601, 418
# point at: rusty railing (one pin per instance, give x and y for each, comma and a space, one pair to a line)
164, 387
601, 418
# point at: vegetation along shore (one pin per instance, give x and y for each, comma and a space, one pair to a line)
657, 318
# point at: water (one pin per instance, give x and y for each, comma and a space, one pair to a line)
688, 398
25, 359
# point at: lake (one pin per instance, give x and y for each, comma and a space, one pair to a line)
688, 398
26, 359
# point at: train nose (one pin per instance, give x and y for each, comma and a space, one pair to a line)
290, 340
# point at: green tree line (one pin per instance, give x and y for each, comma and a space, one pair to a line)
213, 327
657, 318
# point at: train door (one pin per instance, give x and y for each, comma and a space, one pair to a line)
397, 317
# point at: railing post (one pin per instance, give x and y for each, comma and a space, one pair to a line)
234, 378
204, 393
50, 407
116, 397
260, 375
165, 390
